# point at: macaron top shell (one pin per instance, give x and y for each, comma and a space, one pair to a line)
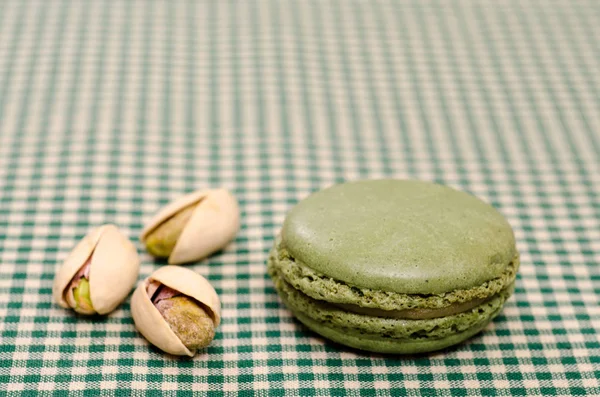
403, 236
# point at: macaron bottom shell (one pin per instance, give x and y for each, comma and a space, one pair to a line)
387, 335
379, 344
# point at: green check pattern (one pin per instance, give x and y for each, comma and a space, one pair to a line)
108, 110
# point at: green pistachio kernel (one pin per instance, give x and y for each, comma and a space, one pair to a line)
161, 241
191, 323
81, 293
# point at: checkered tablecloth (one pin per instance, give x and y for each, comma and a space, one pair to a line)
110, 109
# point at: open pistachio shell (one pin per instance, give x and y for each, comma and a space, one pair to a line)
149, 321
211, 226
113, 270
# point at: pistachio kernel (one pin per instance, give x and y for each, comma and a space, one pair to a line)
81, 293
188, 320
161, 241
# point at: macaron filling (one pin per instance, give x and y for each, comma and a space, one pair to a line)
415, 314
324, 288
364, 314
375, 327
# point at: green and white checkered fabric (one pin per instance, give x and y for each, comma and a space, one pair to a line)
110, 109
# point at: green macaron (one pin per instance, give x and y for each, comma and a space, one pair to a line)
394, 266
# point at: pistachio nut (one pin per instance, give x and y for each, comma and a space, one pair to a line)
177, 310
98, 274
193, 226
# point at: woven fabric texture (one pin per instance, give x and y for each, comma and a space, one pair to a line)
109, 110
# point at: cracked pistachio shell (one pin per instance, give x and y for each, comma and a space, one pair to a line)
151, 323
212, 225
114, 269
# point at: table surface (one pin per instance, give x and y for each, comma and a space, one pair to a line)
108, 110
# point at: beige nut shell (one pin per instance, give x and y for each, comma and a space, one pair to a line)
213, 224
150, 322
114, 268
